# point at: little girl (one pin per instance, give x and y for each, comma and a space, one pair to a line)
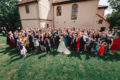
102, 49
98, 43
22, 49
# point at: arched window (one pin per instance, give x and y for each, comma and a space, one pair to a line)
59, 11
27, 8
74, 11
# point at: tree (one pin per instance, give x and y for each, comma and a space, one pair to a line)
9, 15
114, 18
115, 4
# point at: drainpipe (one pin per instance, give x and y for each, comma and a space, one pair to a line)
53, 14
38, 13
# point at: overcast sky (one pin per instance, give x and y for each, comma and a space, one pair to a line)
105, 2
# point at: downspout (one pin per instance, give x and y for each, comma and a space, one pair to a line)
38, 14
53, 14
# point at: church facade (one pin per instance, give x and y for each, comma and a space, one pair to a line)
62, 13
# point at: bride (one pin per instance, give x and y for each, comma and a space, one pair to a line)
62, 47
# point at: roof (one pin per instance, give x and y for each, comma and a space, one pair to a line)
56, 1
102, 6
26, 1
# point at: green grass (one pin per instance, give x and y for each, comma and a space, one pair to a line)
56, 66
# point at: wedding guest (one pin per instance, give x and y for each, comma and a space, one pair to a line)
15, 35
22, 49
116, 45
48, 45
36, 44
109, 43
42, 45
78, 43
74, 42
98, 43
12, 44
31, 38
82, 42
93, 46
102, 49
57, 39
69, 41
18, 42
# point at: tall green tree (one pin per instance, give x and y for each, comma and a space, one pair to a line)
9, 15
114, 18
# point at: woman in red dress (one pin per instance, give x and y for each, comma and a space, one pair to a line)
78, 43
116, 45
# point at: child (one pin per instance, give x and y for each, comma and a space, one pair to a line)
22, 49
98, 43
48, 45
102, 49
93, 45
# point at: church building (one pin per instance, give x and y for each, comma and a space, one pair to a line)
62, 13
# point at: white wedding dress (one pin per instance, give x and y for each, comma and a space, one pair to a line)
62, 48
23, 51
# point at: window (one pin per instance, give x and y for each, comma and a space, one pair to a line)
100, 21
74, 11
27, 8
58, 11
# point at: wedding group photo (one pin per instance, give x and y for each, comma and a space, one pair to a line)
59, 40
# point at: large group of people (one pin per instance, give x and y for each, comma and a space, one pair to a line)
64, 40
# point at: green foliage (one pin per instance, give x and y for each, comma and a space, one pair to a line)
114, 18
9, 16
115, 4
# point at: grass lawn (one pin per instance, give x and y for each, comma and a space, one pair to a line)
56, 66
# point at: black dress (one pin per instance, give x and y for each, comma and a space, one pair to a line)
57, 38
31, 45
73, 46
82, 44
8, 40
69, 41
